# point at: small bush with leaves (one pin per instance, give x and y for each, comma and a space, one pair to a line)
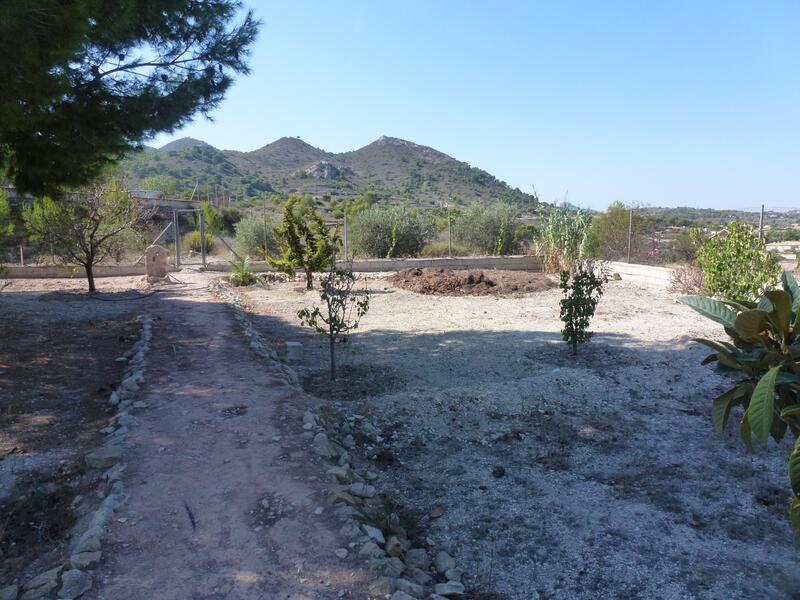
255, 237
241, 273
765, 344
191, 241
340, 313
487, 229
389, 231
582, 290
736, 266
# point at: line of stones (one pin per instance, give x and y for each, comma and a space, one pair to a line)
404, 572
73, 578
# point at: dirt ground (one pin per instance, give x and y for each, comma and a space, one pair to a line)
447, 282
595, 477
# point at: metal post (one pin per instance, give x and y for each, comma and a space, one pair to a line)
264, 219
630, 233
761, 224
449, 235
177, 239
203, 238
21, 257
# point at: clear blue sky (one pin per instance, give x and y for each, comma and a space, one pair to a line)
678, 103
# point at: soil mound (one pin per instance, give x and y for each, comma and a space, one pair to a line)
446, 282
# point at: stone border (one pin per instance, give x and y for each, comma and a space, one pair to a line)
85, 549
404, 572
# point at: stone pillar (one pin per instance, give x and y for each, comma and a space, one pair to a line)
155, 260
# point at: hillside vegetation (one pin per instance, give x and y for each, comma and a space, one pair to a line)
398, 170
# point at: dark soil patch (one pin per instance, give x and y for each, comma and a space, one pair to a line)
446, 282
352, 382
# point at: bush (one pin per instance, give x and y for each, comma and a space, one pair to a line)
191, 241
607, 236
687, 279
230, 217
255, 237
440, 250
582, 290
736, 266
487, 229
564, 239
389, 231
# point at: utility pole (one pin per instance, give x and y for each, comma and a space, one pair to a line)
203, 238
761, 224
630, 233
264, 219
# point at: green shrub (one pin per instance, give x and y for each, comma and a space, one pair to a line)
564, 239
255, 237
487, 229
440, 250
582, 290
230, 217
765, 344
736, 266
240, 272
191, 241
389, 231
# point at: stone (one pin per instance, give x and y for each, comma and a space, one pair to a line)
155, 263
85, 560
9, 592
413, 589
419, 576
103, 458
374, 533
451, 588
41, 584
616, 276
74, 583
394, 547
362, 490
342, 474
418, 557
382, 587
453, 575
89, 541
350, 530
370, 550
323, 447
388, 567
140, 404
443, 562
341, 553
401, 595
114, 398
341, 497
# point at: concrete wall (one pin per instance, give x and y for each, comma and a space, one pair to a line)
507, 263
67, 272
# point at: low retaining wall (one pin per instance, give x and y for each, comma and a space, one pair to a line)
378, 265
68, 272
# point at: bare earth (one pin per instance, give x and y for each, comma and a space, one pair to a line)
598, 477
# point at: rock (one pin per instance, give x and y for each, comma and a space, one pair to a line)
412, 589
616, 276
41, 584
341, 553
401, 595
419, 576
349, 441
394, 547
436, 597
103, 458
9, 592
89, 541
443, 562
453, 575
498, 471
74, 583
85, 560
374, 533
323, 447
350, 530
342, 474
382, 587
114, 398
370, 550
451, 588
362, 490
418, 557
323, 170
140, 404
341, 497
388, 567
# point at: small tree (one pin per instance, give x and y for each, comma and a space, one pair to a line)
736, 264
488, 229
341, 311
254, 237
304, 241
582, 291
84, 226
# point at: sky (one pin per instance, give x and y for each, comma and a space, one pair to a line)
679, 103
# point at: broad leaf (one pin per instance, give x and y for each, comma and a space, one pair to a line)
781, 313
760, 413
794, 468
791, 410
791, 287
721, 410
713, 309
746, 433
794, 514
750, 324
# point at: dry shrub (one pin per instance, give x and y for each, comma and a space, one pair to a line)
687, 279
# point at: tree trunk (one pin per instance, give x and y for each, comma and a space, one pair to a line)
309, 280
333, 357
90, 277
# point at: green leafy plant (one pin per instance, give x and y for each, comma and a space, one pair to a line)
6, 218
304, 241
736, 265
192, 241
389, 231
764, 348
255, 236
240, 272
563, 239
487, 229
582, 289
340, 313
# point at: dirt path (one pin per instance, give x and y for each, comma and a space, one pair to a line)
222, 500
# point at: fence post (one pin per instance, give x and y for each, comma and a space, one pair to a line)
630, 233
761, 224
203, 239
345, 236
177, 239
449, 235
21, 257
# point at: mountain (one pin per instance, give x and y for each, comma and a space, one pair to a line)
398, 170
